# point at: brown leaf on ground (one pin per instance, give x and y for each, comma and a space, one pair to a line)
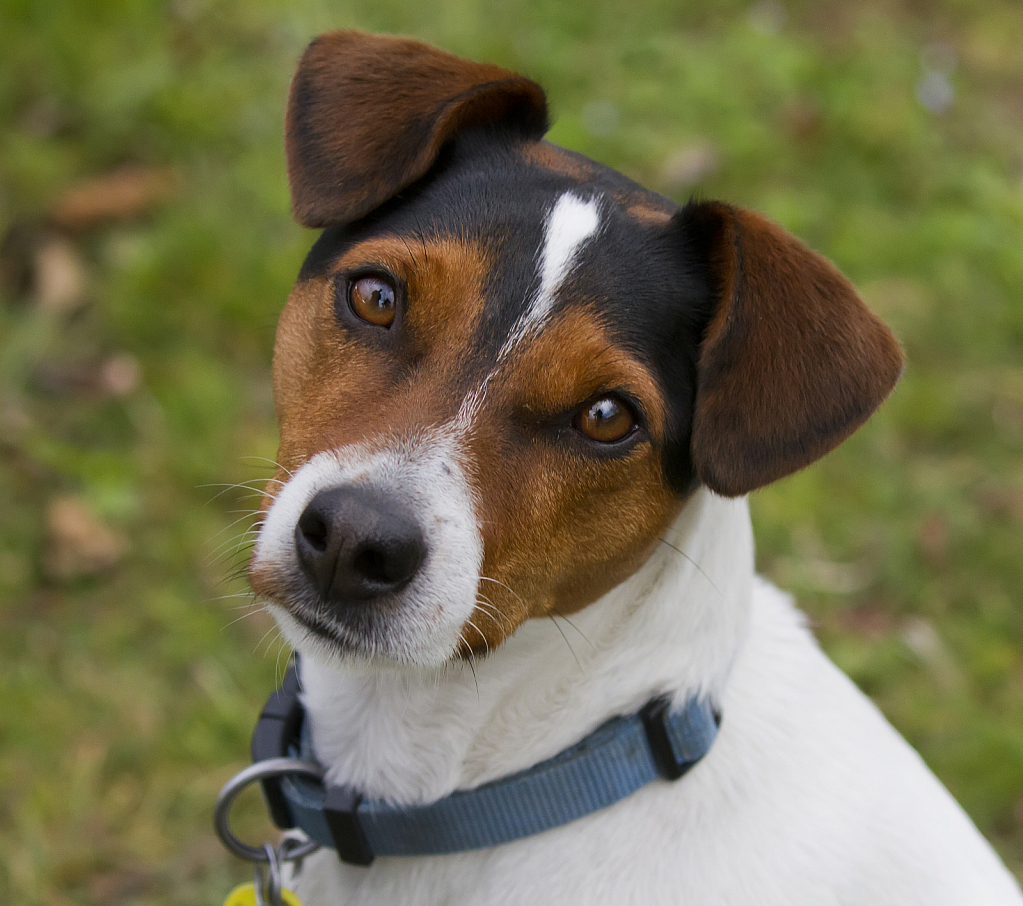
78, 543
113, 378
121, 194
60, 281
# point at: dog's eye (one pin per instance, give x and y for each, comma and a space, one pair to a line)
373, 299
607, 420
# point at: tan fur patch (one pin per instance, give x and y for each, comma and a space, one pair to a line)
333, 388
645, 213
551, 157
547, 500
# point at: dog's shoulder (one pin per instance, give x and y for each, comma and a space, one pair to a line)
809, 774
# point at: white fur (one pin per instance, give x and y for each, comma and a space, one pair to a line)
571, 223
425, 473
807, 797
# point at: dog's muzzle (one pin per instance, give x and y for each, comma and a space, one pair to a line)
373, 553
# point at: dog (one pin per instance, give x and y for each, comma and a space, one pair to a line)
521, 401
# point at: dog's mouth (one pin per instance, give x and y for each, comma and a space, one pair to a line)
408, 629
340, 632
378, 631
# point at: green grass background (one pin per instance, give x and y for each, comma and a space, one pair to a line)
127, 697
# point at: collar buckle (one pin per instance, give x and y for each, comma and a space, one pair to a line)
669, 742
341, 811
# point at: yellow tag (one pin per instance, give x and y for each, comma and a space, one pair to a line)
245, 895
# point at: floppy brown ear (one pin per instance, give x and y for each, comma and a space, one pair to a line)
792, 361
368, 114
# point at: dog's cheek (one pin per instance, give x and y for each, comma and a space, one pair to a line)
565, 532
329, 390
609, 530
295, 341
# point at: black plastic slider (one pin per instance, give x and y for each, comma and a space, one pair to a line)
653, 715
275, 734
340, 807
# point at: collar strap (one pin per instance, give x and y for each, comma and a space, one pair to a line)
613, 761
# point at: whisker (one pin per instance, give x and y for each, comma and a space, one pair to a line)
239, 486
567, 642
231, 545
272, 462
241, 551
472, 667
488, 607
407, 249
238, 594
263, 639
245, 514
576, 628
480, 633
678, 550
509, 588
244, 616
278, 673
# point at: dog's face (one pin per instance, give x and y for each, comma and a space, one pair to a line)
504, 367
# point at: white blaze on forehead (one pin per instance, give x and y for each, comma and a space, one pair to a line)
570, 224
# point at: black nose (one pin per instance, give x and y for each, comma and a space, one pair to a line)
357, 544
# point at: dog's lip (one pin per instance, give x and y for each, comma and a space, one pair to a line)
315, 624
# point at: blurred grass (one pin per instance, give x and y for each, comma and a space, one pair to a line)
130, 683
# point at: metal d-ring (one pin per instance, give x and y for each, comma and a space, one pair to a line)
272, 885
261, 770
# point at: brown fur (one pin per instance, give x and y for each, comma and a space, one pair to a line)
792, 363
368, 114
644, 213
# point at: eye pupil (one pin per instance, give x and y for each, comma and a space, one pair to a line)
373, 300
606, 420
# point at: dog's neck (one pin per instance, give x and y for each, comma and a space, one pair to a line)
675, 626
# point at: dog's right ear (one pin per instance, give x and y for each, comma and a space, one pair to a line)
368, 114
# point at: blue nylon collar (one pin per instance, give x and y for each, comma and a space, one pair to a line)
613, 761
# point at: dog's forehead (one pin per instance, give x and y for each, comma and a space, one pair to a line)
557, 228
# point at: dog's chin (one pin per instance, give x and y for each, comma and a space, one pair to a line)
372, 643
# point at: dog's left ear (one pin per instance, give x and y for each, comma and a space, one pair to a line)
792, 362
368, 115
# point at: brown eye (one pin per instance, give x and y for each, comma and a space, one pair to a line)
606, 420
373, 300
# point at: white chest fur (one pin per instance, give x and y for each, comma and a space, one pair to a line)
808, 795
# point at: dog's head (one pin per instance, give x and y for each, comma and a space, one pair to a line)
504, 367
